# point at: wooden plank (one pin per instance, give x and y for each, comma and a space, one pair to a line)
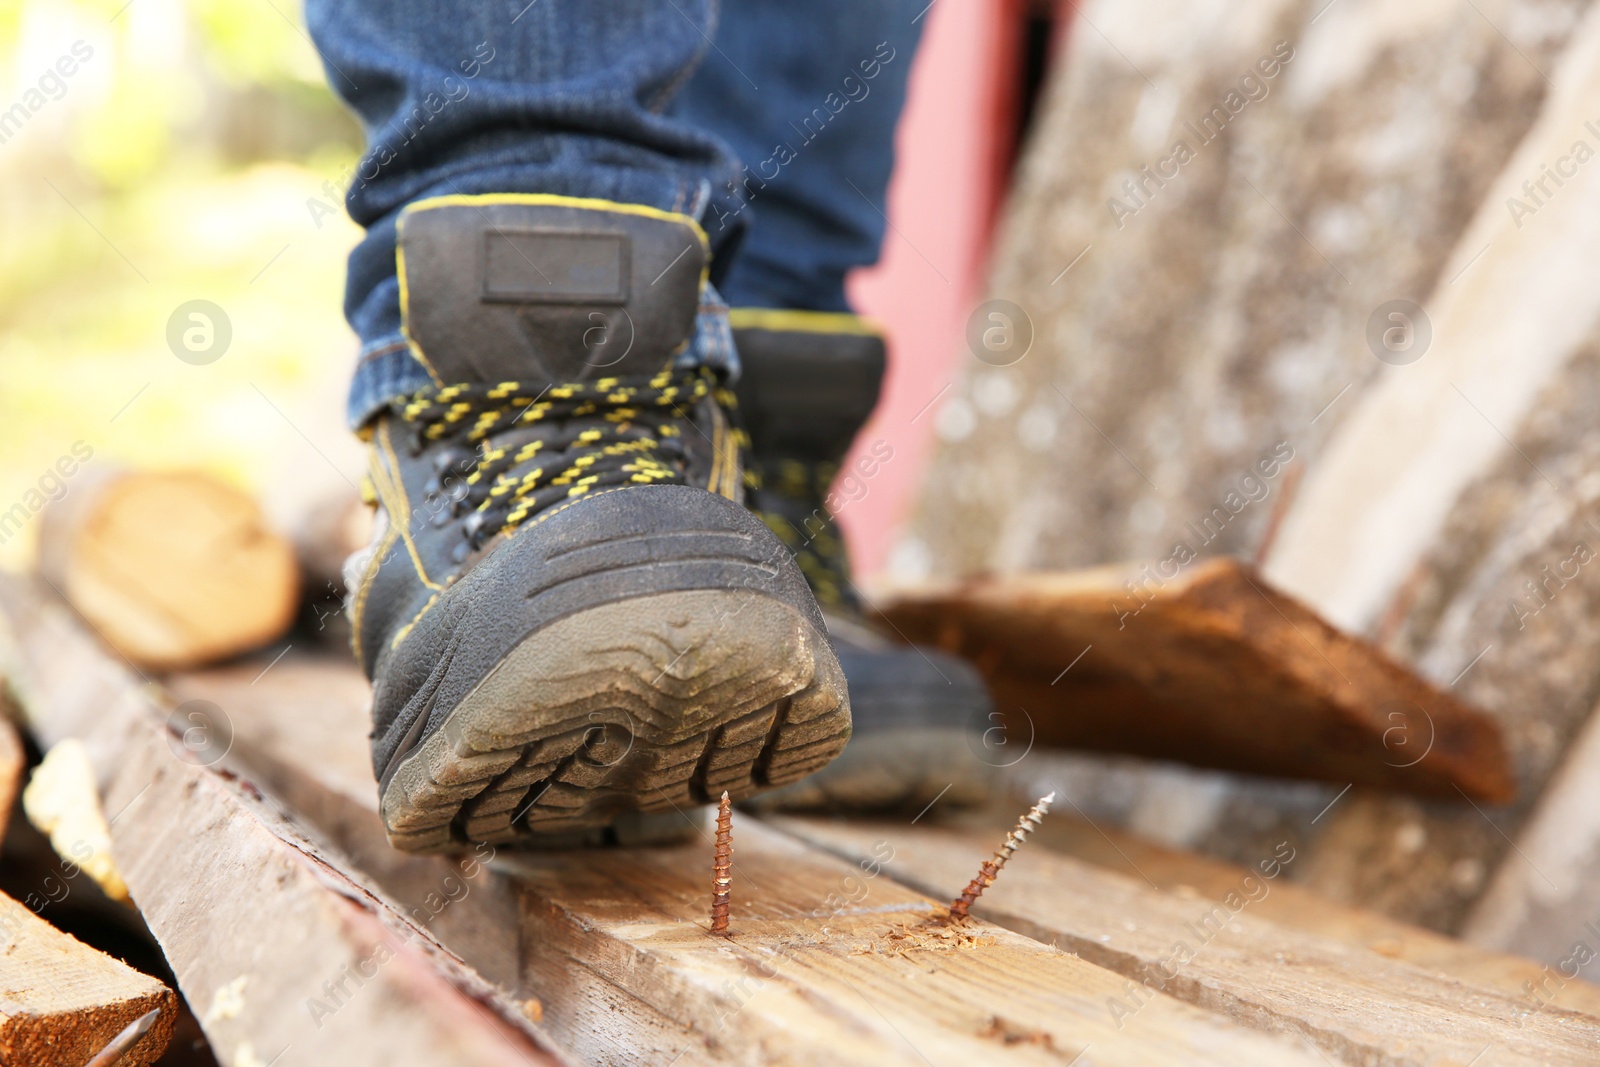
302, 727
1448, 518
1293, 905
1211, 667
1142, 413
1348, 1002
827, 964
277, 942
62, 1002
1547, 903
1181, 409
1387, 492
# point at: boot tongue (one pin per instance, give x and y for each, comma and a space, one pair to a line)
545, 290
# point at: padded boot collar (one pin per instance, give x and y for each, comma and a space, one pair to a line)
546, 289
809, 381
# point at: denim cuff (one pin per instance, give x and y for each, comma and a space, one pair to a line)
388, 371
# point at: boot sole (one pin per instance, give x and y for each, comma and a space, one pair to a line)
618, 722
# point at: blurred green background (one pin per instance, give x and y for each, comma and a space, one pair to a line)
196, 153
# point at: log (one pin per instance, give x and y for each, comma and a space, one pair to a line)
1349, 1003
1224, 325
827, 964
1211, 666
13, 769
172, 569
276, 940
62, 1002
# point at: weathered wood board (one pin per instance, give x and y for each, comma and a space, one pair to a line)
1292, 905
1210, 666
1237, 318
1218, 298
828, 963
62, 1002
1548, 903
278, 943
1349, 1002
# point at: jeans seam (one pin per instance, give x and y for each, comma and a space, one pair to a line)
382, 350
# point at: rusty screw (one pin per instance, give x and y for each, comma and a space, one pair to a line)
991, 868
721, 868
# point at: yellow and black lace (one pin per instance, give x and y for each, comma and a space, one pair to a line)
788, 495
578, 438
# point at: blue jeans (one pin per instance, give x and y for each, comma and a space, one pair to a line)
772, 122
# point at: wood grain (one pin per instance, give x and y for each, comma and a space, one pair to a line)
827, 963
278, 942
1214, 344
61, 1001
173, 569
1295, 906
1349, 1002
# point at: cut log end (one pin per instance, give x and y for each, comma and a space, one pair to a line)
63, 1003
173, 569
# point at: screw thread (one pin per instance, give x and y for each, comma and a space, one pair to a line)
991, 868
721, 867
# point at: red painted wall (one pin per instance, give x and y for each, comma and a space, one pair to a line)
953, 146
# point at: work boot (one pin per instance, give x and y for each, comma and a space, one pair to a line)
808, 384
575, 630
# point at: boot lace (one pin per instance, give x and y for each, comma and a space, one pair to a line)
516, 449
788, 495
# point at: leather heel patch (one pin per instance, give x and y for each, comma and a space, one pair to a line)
529, 287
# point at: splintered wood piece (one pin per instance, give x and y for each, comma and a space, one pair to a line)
828, 963
1350, 1003
173, 569
277, 942
63, 803
1210, 667
62, 1002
